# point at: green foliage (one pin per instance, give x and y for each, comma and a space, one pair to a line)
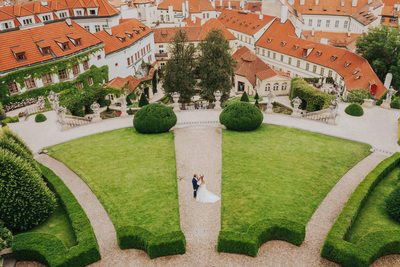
47, 248
241, 116
128, 101
155, 246
154, 82
9, 134
312, 99
2, 112
143, 100
258, 234
357, 96
179, 71
9, 120
25, 200
6, 237
395, 103
9, 144
381, 47
373, 245
244, 97
154, 118
393, 205
40, 117
257, 97
354, 110
216, 66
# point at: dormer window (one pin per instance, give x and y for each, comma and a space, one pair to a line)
295, 47
142, 28
356, 71
357, 77
333, 58
20, 56
92, 11
269, 40
75, 39
128, 34
347, 64
46, 50
121, 38
63, 44
319, 53
283, 43
27, 21
78, 12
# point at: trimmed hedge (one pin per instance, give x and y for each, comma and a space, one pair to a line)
40, 117
249, 243
354, 110
357, 96
50, 250
17, 139
154, 118
393, 205
372, 246
155, 246
244, 97
395, 103
6, 237
241, 116
312, 99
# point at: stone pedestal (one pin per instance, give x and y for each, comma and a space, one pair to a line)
270, 101
368, 103
296, 110
390, 93
175, 98
123, 106
217, 96
96, 112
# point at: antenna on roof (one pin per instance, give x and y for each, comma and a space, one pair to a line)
69, 22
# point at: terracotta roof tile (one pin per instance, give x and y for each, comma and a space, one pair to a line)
195, 6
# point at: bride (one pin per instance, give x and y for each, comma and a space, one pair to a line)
203, 195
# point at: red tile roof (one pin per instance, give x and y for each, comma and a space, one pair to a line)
123, 35
195, 6
355, 70
245, 22
28, 40
119, 83
194, 33
250, 66
338, 39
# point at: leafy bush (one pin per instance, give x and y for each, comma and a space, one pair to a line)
357, 96
312, 99
25, 200
249, 243
2, 112
354, 110
338, 249
393, 205
128, 101
17, 139
12, 146
143, 100
241, 116
50, 250
395, 103
40, 117
155, 246
245, 97
154, 118
6, 237
9, 120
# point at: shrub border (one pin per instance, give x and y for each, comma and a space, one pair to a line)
259, 233
50, 250
371, 246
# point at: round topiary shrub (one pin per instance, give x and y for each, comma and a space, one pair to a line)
354, 110
393, 205
25, 200
40, 117
395, 103
6, 237
241, 116
154, 118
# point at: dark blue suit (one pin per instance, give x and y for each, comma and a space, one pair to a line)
195, 186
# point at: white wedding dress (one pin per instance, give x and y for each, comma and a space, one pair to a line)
205, 196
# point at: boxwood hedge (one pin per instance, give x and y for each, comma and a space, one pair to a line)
154, 118
241, 116
312, 99
155, 246
258, 234
354, 110
17, 139
50, 250
373, 245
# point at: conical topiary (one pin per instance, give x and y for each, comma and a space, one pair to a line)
244, 97
143, 100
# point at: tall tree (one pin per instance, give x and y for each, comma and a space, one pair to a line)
178, 73
216, 66
381, 47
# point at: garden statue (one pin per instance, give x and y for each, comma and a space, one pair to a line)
53, 98
175, 98
61, 112
270, 100
333, 108
96, 111
390, 93
217, 95
123, 105
296, 110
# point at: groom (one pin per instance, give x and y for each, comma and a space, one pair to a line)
195, 185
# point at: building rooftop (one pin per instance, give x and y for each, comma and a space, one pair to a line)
195, 6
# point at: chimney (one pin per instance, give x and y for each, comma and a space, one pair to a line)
348, 34
183, 10
354, 3
229, 5
291, 2
220, 4
341, 2
241, 4
284, 13
302, 2
260, 16
213, 3
369, 2
316, 2
193, 18
312, 32
187, 8
44, 3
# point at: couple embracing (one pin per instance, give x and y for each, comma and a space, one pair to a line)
200, 192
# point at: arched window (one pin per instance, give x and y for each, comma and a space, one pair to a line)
284, 86
268, 87
276, 86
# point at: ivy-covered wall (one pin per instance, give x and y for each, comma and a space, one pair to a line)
38, 71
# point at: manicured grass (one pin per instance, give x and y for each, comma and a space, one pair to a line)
278, 173
58, 225
133, 175
373, 217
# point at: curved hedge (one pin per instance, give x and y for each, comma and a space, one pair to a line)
258, 234
154, 118
372, 246
393, 205
312, 99
25, 200
50, 250
241, 116
9, 144
17, 139
40, 117
354, 110
155, 246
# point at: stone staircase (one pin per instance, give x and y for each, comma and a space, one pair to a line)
74, 121
325, 115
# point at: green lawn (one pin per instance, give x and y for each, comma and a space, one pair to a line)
133, 175
373, 216
280, 173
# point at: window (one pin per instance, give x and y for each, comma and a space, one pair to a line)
13, 87
6, 25
87, 27
274, 55
46, 50
27, 21
20, 56
46, 18
64, 46
284, 86
298, 63
290, 61
314, 68
167, 17
85, 65
329, 73
98, 57
78, 13
269, 53
77, 42
62, 74
92, 12
79, 85
162, 17
129, 61
90, 81
337, 24
97, 28
268, 87
263, 52
62, 15
346, 23
46, 78
282, 58
75, 69
30, 83
276, 87
322, 71
307, 66
319, 23
328, 23
310, 22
